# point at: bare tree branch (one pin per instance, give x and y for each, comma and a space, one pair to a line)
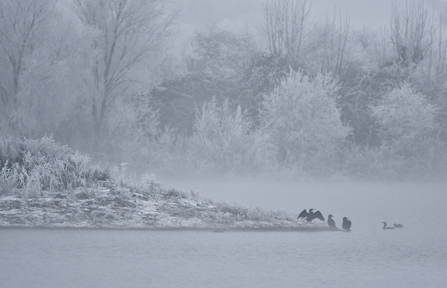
128, 31
284, 25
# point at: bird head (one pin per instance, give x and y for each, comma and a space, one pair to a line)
345, 218
330, 216
310, 210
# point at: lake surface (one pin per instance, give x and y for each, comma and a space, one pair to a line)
415, 256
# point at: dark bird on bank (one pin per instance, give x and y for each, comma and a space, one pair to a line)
346, 224
385, 227
303, 214
330, 221
398, 225
311, 215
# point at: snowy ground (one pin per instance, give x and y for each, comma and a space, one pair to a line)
150, 208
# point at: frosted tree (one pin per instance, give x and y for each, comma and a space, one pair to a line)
133, 132
217, 66
411, 32
22, 30
419, 42
221, 135
408, 128
405, 117
126, 37
327, 47
215, 63
219, 55
415, 40
303, 122
284, 23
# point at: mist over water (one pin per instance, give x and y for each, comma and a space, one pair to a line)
416, 204
369, 256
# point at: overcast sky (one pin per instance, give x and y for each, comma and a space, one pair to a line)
370, 13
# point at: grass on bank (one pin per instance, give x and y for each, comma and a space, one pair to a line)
29, 167
39, 171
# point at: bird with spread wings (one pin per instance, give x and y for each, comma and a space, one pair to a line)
309, 216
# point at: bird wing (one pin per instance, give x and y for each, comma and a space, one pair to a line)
303, 214
319, 215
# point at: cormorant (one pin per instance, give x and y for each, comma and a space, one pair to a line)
311, 215
398, 225
385, 227
346, 224
303, 214
330, 221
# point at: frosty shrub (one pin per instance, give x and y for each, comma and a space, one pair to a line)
301, 119
219, 135
29, 167
131, 127
149, 183
405, 116
222, 140
407, 127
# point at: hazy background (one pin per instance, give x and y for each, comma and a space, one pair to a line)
203, 14
341, 90
349, 117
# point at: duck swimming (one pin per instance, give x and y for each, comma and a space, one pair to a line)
385, 227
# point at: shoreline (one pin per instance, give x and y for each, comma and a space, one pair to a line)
156, 209
179, 229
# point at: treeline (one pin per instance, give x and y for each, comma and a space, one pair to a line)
299, 98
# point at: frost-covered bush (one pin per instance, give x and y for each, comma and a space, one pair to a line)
405, 116
148, 183
407, 126
303, 122
29, 167
132, 127
222, 141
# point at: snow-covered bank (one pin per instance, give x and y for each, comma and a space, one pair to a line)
136, 208
44, 184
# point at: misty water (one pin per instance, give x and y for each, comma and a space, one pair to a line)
415, 256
